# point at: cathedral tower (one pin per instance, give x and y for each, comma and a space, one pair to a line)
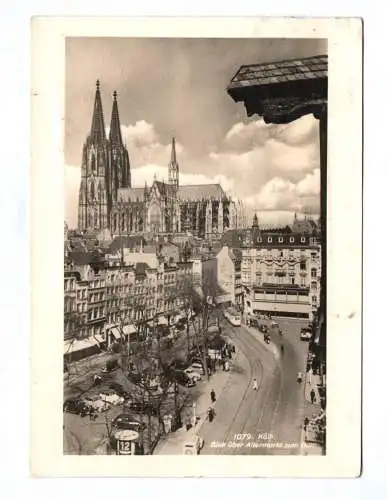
173, 168
119, 162
93, 209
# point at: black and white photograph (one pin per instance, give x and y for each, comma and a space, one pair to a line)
198, 190
194, 246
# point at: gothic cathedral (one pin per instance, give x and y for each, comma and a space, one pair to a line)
108, 201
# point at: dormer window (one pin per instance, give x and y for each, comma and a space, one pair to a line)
259, 239
270, 239
302, 240
291, 240
280, 239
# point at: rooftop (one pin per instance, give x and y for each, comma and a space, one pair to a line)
291, 70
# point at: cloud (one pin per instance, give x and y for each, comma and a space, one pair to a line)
246, 136
263, 159
144, 145
272, 168
280, 194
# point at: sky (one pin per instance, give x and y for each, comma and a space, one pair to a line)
177, 87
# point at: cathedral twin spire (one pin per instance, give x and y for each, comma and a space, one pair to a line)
98, 131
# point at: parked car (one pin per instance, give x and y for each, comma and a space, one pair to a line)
183, 379
197, 367
193, 374
143, 407
74, 405
180, 365
263, 328
305, 334
111, 366
128, 422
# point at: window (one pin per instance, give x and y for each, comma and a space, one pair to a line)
259, 239
314, 298
291, 239
314, 273
281, 254
280, 239
270, 239
292, 280
303, 265
302, 239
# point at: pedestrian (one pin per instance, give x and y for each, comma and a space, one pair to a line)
223, 364
312, 396
306, 422
213, 396
255, 384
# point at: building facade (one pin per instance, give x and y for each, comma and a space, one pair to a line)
281, 274
107, 302
229, 276
107, 199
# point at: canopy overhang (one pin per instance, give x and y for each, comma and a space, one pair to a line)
283, 91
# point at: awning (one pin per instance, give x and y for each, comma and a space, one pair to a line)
115, 332
162, 320
79, 345
129, 329
99, 338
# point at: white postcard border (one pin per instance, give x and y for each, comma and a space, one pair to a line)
344, 248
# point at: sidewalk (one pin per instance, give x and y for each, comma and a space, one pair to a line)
172, 444
312, 411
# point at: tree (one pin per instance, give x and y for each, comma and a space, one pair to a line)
201, 301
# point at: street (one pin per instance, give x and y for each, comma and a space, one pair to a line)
263, 421
269, 420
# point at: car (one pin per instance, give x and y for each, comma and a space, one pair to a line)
111, 366
128, 422
143, 407
74, 405
183, 379
305, 334
192, 373
198, 367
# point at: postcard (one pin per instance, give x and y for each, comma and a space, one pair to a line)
196, 247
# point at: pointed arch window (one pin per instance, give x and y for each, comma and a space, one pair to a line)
96, 224
100, 193
92, 191
93, 163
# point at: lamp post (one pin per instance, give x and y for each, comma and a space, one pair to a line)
194, 416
